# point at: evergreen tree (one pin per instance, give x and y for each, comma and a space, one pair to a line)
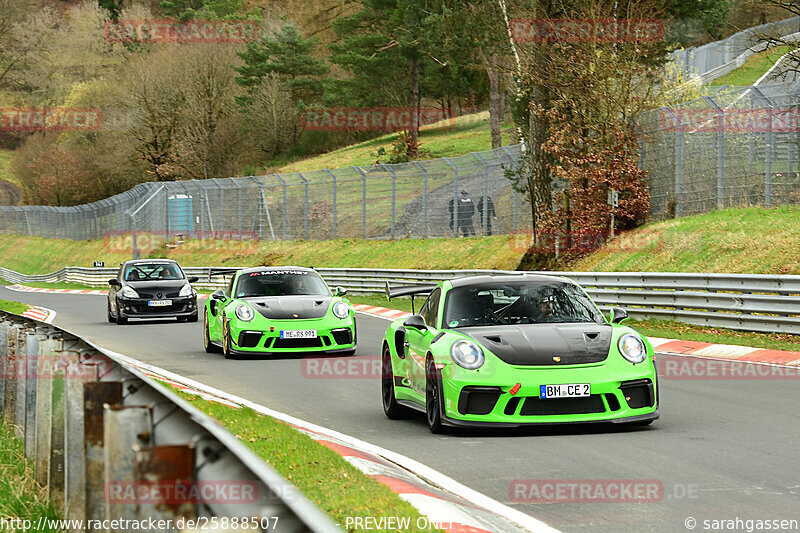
287, 55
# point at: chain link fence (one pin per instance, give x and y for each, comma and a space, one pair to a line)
712, 60
435, 198
735, 148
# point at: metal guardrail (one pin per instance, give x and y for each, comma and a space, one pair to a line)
96, 427
747, 302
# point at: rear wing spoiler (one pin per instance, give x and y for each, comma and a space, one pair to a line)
221, 272
408, 290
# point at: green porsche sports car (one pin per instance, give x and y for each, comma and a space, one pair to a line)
274, 310
512, 350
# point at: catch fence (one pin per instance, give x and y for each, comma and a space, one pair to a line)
380, 201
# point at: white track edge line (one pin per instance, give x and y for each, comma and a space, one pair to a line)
423, 471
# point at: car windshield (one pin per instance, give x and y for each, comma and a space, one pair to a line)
281, 283
530, 302
153, 272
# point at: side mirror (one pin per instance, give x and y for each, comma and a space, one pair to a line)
416, 322
341, 291
193, 279
618, 314
218, 295
113, 282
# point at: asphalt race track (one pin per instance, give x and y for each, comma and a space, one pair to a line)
722, 449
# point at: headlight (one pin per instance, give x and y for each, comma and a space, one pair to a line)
186, 290
467, 354
341, 309
632, 348
244, 313
128, 292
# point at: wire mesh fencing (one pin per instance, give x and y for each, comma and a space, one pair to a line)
712, 60
465, 195
738, 147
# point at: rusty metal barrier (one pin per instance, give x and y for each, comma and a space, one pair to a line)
110, 443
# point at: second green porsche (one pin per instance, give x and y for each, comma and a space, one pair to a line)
273, 310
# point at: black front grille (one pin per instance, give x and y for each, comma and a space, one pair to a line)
534, 406
297, 343
511, 406
342, 336
249, 339
638, 393
612, 401
478, 400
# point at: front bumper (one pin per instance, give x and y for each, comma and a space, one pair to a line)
332, 337
139, 308
620, 393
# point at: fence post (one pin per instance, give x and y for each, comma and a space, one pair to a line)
394, 196
305, 206
485, 195
239, 188
515, 194
768, 162
720, 150
425, 232
678, 160
284, 219
454, 214
363, 201
333, 177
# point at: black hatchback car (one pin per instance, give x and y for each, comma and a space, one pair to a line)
151, 288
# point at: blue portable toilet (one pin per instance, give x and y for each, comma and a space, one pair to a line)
180, 214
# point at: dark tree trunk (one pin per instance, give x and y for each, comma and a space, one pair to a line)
538, 166
414, 132
495, 102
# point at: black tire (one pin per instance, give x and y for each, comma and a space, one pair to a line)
392, 409
111, 318
207, 344
433, 408
226, 340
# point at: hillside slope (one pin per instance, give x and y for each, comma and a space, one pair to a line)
752, 240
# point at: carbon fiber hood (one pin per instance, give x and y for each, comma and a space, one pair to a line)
291, 307
539, 344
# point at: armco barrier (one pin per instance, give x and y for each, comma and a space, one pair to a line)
92, 423
748, 302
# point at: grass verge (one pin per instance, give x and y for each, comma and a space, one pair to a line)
321, 474
752, 240
469, 133
16, 308
670, 329
754, 67
20, 496
39, 255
